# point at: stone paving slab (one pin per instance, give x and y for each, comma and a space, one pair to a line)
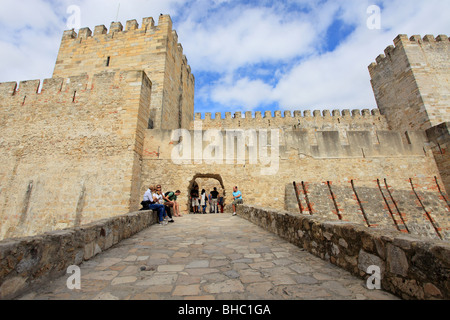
210, 257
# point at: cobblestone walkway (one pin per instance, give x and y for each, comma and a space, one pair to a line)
214, 257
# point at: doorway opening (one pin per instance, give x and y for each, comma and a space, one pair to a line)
206, 182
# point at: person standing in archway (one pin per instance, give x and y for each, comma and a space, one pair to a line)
194, 200
214, 199
203, 200
210, 202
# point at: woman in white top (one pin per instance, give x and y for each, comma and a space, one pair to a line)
159, 195
203, 200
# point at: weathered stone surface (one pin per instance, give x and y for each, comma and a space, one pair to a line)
190, 290
397, 260
11, 286
365, 260
411, 267
431, 291
49, 255
290, 272
225, 287
123, 280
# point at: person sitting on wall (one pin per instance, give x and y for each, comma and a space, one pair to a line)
237, 196
150, 203
148, 199
159, 196
170, 199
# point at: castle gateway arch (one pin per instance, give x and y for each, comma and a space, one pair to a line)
205, 181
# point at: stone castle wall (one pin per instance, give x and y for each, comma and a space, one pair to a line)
416, 206
28, 263
411, 87
358, 158
308, 122
323, 120
410, 267
83, 144
154, 49
70, 153
439, 137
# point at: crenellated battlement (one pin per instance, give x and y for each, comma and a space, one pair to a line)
288, 118
64, 90
402, 41
147, 26
365, 113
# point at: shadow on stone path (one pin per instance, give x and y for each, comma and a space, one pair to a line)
213, 257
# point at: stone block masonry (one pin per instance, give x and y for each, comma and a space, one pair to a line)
412, 206
410, 82
411, 86
439, 137
71, 153
411, 267
362, 156
149, 47
335, 120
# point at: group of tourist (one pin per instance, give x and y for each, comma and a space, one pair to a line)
214, 199
155, 199
162, 203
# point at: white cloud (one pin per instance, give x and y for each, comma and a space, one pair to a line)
335, 80
29, 39
338, 79
31, 30
243, 93
33, 14
244, 36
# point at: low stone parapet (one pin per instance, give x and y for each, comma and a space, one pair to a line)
26, 263
410, 267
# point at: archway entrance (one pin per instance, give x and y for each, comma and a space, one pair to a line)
206, 182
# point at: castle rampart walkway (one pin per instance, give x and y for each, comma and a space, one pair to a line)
214, 257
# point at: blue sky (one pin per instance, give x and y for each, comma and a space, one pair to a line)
245, 55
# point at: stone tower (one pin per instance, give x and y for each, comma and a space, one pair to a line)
153, 49
411, 83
